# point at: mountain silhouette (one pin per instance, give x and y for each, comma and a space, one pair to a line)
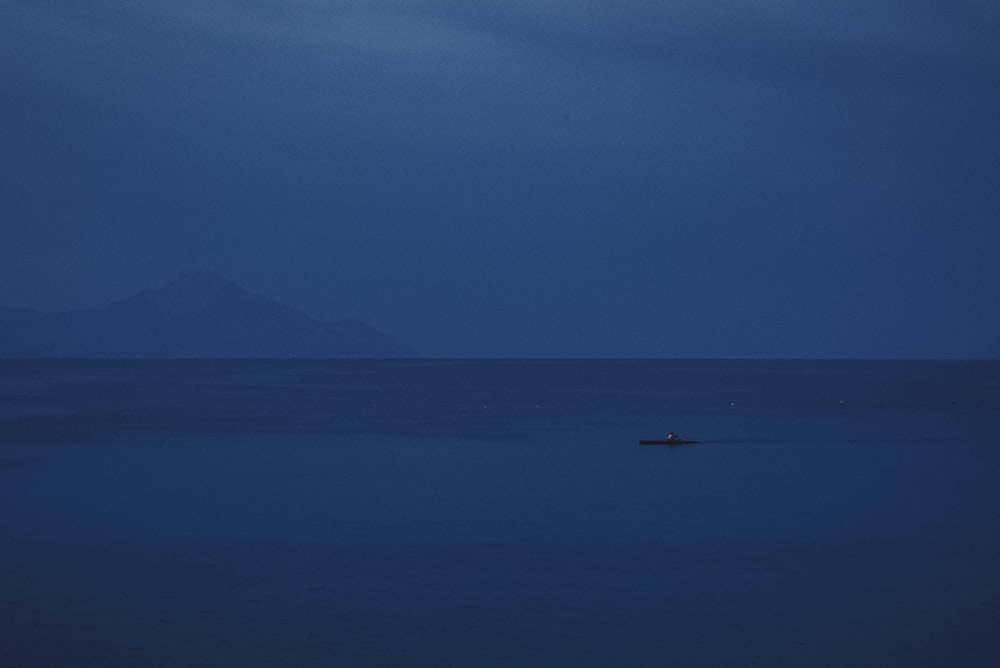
198, 314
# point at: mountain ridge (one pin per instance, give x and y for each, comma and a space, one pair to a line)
197, 314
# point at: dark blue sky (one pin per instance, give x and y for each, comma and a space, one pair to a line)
718, 178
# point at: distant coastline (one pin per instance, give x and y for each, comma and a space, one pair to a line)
198, 315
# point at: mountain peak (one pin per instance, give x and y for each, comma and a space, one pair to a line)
190, 293
197, 314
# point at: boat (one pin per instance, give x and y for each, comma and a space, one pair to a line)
663, 441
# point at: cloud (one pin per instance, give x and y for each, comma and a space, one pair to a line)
541, 134
760, 38
798, 41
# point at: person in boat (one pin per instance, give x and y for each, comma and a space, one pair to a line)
672, 438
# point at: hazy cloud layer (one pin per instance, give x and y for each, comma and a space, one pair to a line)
520, 177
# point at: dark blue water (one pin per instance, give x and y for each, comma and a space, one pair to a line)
499, 513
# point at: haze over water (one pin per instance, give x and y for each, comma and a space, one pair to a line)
499, 513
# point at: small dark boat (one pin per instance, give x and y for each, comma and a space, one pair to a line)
676, 441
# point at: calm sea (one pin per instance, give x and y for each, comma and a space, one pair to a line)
498, 513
